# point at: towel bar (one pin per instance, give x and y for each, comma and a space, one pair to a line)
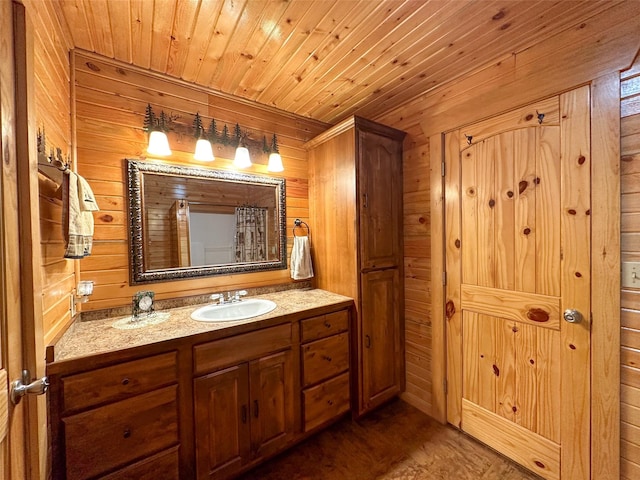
298, 223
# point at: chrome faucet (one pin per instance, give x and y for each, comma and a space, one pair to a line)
232, 297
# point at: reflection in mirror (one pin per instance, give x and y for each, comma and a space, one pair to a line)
187, 222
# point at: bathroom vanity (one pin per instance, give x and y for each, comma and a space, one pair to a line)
187, 399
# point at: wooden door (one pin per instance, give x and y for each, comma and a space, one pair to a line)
222, 422
380, 186
271, 393
180, 234
517, 256
381, 349
22, 427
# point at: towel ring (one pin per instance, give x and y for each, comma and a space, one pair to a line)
298, 223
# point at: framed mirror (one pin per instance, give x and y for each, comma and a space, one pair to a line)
188, 222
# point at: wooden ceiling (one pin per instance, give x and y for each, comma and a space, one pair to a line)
324, 59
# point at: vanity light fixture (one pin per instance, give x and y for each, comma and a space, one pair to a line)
275, 160
203, 152
83, 290
242, 158
157, 127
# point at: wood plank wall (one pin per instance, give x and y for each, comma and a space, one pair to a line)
110, 104
53, 112
417, 273
605, 44
630, 297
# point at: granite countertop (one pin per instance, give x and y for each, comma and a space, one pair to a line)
93, 337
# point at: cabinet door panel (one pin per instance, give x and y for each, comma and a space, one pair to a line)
380, 184
222, 427
271, 402
381, 349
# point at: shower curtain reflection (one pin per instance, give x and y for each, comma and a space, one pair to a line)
251, 240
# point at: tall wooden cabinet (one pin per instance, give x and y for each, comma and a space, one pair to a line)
355, 202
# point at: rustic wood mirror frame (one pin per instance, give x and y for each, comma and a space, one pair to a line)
138, 273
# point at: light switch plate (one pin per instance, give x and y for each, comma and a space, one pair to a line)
630, 274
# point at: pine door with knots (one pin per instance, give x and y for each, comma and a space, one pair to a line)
517, 223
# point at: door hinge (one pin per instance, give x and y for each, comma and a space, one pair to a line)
443, 168
445, 386
444, 278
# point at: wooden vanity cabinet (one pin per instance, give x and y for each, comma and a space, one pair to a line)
246, 411
119, 421
199, 407
355, 206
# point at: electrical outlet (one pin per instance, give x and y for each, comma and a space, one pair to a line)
630, 274
72, 305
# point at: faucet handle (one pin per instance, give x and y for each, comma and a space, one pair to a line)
217, 296
241, 293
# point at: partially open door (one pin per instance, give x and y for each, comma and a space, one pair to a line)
22, 425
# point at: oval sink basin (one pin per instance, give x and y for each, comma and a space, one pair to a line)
233, 311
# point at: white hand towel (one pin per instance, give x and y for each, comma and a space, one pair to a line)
85, 196
77, 220
301, 267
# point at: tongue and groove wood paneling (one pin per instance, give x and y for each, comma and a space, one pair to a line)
110, 103
603, 45
53, 115
630, 297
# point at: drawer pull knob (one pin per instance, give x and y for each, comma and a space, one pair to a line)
127, 433
367, 341
125, 381
330, 402
327, 358
327, 324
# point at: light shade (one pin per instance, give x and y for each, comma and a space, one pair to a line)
275, 163
203, 151
242, 160
158, 144
84, 287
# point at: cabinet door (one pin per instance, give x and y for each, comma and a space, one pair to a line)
380, 190
222, 422
271, 390
381, 350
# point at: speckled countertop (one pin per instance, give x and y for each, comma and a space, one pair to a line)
85, 338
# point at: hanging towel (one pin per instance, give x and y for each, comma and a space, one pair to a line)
301, 259
78, 202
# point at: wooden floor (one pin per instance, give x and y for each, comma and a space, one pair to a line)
396, 442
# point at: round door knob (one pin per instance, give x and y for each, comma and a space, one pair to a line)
572, 316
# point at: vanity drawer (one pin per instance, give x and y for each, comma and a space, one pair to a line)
98, 440
118, 381
324, 325
163, 466
211, 356
324, 358
325, 401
